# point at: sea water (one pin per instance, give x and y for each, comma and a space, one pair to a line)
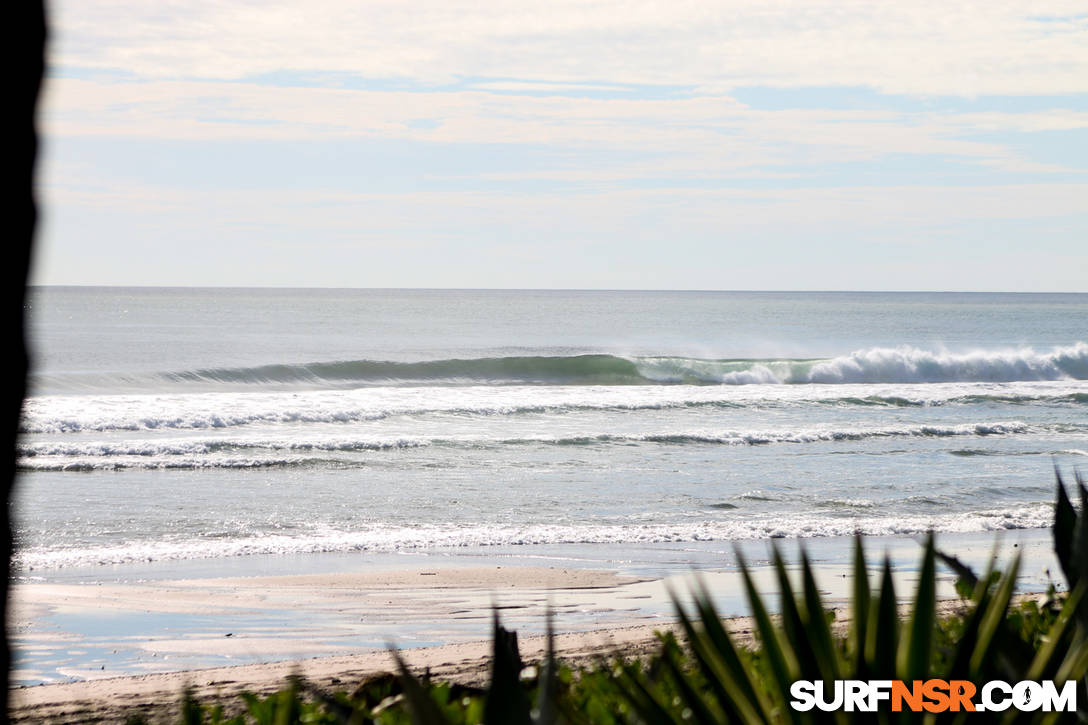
167, 426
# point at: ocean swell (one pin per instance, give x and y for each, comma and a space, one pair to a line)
573, 370
872, 365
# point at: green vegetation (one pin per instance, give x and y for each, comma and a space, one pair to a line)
707, 678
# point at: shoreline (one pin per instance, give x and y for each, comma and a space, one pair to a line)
464, 662
157, 695
132, 644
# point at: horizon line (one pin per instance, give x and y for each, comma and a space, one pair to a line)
544, 289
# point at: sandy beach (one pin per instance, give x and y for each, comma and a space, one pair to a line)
100, 651
156, 696
115, 699
330, 611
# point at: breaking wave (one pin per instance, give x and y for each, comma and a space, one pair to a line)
872, 365
726, 527
880, 365
233, 409
252, 452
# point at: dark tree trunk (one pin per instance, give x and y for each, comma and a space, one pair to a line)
28, 32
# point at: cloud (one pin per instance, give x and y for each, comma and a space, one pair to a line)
924, 47
202, 110
689, 137
573, 143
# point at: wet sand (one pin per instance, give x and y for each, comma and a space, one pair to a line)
101, 651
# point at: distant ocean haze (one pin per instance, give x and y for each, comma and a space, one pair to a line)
170, 424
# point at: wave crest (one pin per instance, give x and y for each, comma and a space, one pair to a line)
873, 365
912, 365
879, 365
402, 538
256, 452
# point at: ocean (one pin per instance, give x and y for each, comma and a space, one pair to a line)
171, 425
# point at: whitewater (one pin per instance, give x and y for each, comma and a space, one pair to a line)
171, 425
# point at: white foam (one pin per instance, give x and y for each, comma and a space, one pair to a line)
252, 451
398, 538
904, 364
913, 365
201, 411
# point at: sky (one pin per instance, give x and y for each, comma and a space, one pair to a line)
634, 144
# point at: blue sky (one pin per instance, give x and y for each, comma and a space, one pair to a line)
797, 144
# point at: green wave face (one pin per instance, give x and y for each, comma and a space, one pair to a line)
902, 365
574, 370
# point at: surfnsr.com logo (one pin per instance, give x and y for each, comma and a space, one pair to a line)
933, 696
